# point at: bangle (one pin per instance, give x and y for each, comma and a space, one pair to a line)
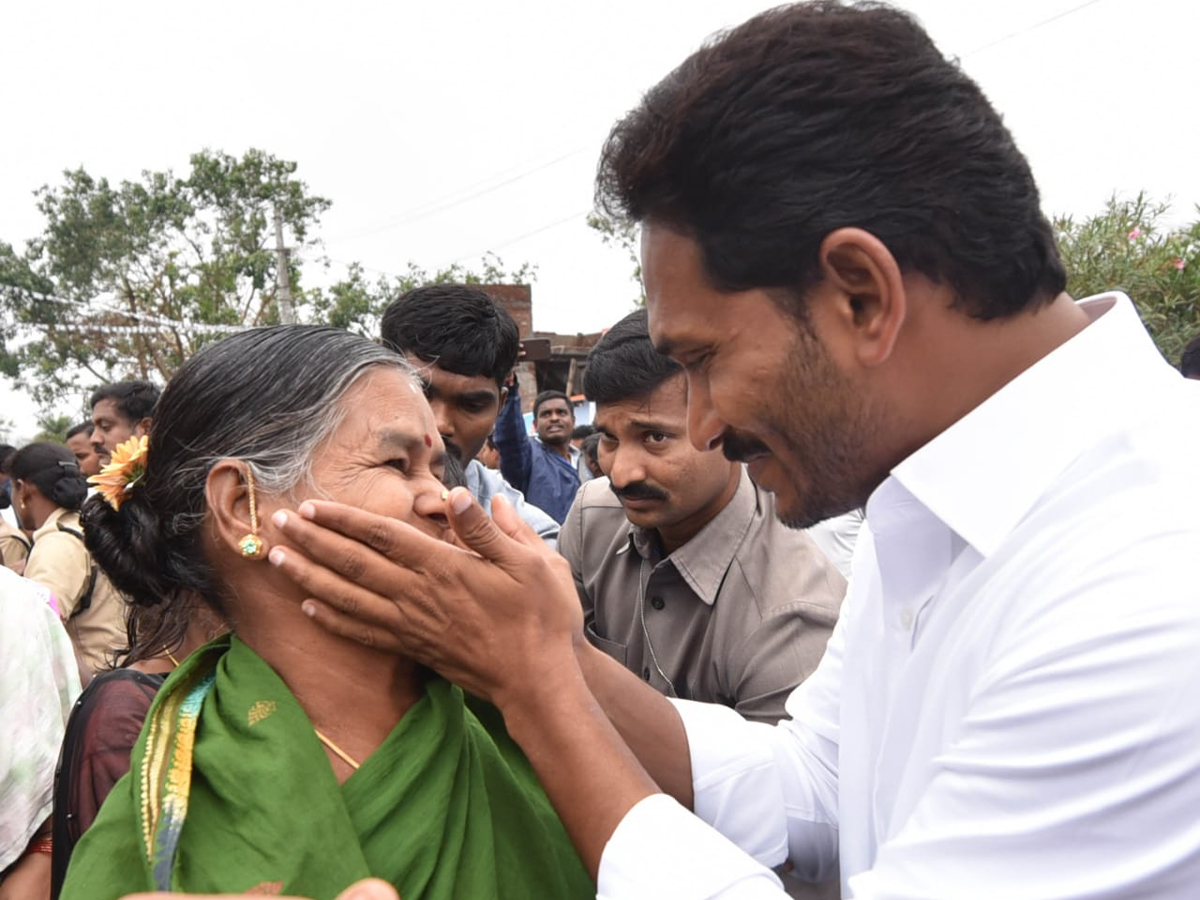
41, 845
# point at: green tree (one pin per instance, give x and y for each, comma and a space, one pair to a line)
624, 236
54, 427
357, 302
129, 280
1129, 247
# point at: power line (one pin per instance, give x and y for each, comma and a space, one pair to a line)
426, 210
1033, 27
509, 241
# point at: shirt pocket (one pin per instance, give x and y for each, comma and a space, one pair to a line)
617, 651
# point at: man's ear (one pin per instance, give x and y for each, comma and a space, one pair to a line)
869, 299
142, 427
227, 491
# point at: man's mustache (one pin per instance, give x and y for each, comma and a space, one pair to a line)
741, 447
452, 449
638, 490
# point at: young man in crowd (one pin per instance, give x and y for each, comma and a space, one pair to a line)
591, 455
79, 440
120, 410
464, 346
845, 250
678, 557
545, 465
579, 436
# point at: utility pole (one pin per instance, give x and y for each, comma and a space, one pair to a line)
287, 313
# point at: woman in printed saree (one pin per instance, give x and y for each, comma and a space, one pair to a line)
281, 759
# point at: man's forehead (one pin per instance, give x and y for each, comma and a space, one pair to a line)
664, 406
447, 381
106, 409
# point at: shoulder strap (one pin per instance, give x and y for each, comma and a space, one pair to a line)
85, 602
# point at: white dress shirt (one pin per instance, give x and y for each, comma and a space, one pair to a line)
1007, 708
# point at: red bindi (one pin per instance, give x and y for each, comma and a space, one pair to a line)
428, 441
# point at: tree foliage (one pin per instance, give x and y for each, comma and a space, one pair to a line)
624, 236
356, 302
54, 427
1130, 247
130, 279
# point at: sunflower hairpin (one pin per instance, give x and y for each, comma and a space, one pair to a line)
126, 468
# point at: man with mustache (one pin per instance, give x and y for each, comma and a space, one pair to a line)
686, 575
463, 345
120, 411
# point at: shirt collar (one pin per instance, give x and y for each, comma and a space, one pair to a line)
51, 523
573, 450
703, 561
986, 471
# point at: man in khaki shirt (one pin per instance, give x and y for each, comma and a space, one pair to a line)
685, 574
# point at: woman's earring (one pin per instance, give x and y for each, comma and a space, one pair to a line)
252, 545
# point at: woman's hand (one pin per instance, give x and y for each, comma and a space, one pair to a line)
369, 889
497, 615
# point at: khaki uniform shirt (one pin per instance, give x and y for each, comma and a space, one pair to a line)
739, 615
60, 561
14, 546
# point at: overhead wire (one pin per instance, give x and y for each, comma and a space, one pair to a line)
425, 210
1033, 27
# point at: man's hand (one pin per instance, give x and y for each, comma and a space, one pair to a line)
495, 614
368, 889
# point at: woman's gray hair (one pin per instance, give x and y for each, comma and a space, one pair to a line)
269, 397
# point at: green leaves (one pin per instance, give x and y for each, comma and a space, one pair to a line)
1131, 247
129, 280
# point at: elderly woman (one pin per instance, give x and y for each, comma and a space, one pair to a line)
283, 759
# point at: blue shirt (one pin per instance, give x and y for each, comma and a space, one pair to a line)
548, 481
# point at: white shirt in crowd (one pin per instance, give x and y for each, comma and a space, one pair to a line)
1007, 708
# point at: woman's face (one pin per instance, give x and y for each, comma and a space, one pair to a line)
387, 456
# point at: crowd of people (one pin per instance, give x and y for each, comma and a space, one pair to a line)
870, 577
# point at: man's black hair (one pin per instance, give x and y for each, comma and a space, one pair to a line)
134, 399
582, 431
1189, 361
591, 447
6, 455
459, 328
81, 428
551, 395
817, 116
624, 364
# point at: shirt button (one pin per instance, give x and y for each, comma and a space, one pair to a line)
646, 673
657, 602
906, 620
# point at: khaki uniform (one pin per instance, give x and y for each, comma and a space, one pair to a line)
14, 546
738, 615
61, 562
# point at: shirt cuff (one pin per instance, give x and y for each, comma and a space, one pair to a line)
734, 782
662, 850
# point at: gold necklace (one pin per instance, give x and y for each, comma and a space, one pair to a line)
338, 751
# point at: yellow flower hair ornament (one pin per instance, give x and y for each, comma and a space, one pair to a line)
126, 469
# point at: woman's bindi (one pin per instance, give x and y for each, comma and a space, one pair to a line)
428, 441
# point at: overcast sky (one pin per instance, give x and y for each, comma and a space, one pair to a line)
444, 130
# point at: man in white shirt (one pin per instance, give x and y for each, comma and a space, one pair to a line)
843, 247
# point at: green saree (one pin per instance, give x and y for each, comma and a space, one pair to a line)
231, 792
